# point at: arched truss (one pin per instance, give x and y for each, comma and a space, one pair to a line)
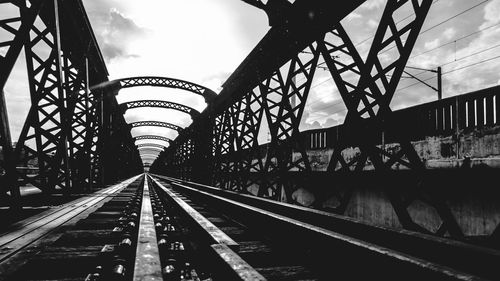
156, 124
148, 155
148, 159
139, 146
159, 103
152, 137
150, 148
130, 82
152, 152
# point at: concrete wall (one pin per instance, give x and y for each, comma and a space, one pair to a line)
476, 207
481, 147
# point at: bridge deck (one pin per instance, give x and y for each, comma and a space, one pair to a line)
162, 228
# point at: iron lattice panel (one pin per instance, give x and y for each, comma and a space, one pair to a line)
150, 145
167, 82
156, 124
152, 137
161, 104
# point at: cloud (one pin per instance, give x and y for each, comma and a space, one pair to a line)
353, 16
214, 82
373, 4
372, 23
114, 31
449, 32
330, 122
111, 51
432, 44
305, 126
491, 11
249, 23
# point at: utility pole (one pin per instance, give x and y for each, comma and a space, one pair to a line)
439, 88
439, 82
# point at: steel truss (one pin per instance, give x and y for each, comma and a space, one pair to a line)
206, 93
152, 137
366, 87
58, 127
162, 104
147, 149
155, 145
156, 124
63, 129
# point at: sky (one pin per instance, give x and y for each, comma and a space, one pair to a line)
203, 41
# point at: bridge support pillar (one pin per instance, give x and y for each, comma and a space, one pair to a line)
10, 176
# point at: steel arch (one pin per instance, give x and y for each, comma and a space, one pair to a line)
147, 154
149, 151
159, 103
149, 148
146, 151
152, 137
156, 124
166, 82
151, 145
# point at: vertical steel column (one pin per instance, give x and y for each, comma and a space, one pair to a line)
65, 118
284, 102
247, 124
203, 131
7, 150
90, 114
26, 18
47, 117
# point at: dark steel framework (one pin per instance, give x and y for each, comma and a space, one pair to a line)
159, 146
152, 137
143, 151
159, 103
156, 124
63, 131
78, 137
270, 88
149, 148
117, 85
206, 93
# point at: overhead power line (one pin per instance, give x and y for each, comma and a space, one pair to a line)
456, 40
399, 21
442, 22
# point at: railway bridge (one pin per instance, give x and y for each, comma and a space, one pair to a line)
244, 192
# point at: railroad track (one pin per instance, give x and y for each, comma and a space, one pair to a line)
151, 227
129, 231
340, 247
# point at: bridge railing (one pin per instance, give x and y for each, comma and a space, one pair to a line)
446, 117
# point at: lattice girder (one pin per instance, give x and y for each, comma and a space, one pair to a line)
160, 103
367, 98
49, 121
156, 124
167, 82
152, 137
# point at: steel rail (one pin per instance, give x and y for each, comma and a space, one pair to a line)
147, 257
26, 232
380, 241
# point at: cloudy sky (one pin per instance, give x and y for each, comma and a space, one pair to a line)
203, 41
